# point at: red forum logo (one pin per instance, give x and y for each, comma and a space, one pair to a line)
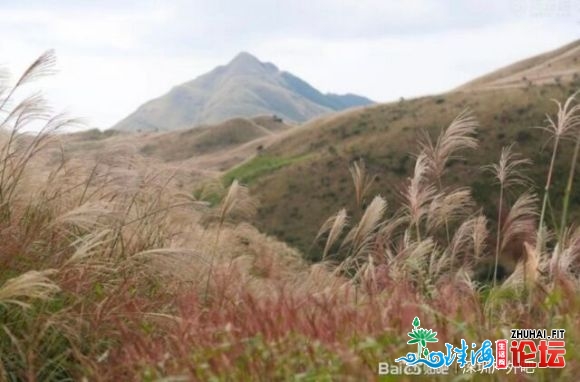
548, 352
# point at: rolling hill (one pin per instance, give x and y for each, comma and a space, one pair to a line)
312, 181
206, 149
245, 87
561, 65
299, 174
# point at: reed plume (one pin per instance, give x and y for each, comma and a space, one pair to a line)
236, 204
460, 135
559, 128
574, 127
418, 194
448, 207
362, 181
507, 173
30, 285
360, 236
527, 272
469, 242
334, 226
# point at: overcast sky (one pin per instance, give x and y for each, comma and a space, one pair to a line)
113, 55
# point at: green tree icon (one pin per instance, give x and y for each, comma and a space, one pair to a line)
421, 337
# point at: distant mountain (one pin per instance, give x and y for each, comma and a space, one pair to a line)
245, 87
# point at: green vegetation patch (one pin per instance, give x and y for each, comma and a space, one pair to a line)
261, 165
210, 193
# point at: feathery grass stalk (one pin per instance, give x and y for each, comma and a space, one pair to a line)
235, 202
29, 285
14, 159
447, 232
362, 181
458, 136
334, 226
418, 231
547, 188
498, 239
507, 174
360, 235
227, 203
88, 182
568, 192
560, 127
418, 194
211, 261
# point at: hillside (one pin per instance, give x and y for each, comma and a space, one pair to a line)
312, 179
300, 174
195, 154
245, 87
561, 65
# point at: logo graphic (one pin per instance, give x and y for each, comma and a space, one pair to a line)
437, 359
521, 352
421, 337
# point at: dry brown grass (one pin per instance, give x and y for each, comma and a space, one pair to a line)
123, 277
557, 66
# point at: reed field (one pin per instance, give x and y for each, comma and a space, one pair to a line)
117, 267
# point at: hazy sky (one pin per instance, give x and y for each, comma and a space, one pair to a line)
114, 54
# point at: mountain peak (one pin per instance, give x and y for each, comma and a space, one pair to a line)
245, 87
245, 59
246, 63
243, 55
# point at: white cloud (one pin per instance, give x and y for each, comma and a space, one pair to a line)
113, 56
389, 67
83, 28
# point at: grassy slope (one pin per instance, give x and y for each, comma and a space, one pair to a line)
183, 144
206, 139
297, 198
557, 65
260, 166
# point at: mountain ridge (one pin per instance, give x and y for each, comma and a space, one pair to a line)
552, 67
245, 87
